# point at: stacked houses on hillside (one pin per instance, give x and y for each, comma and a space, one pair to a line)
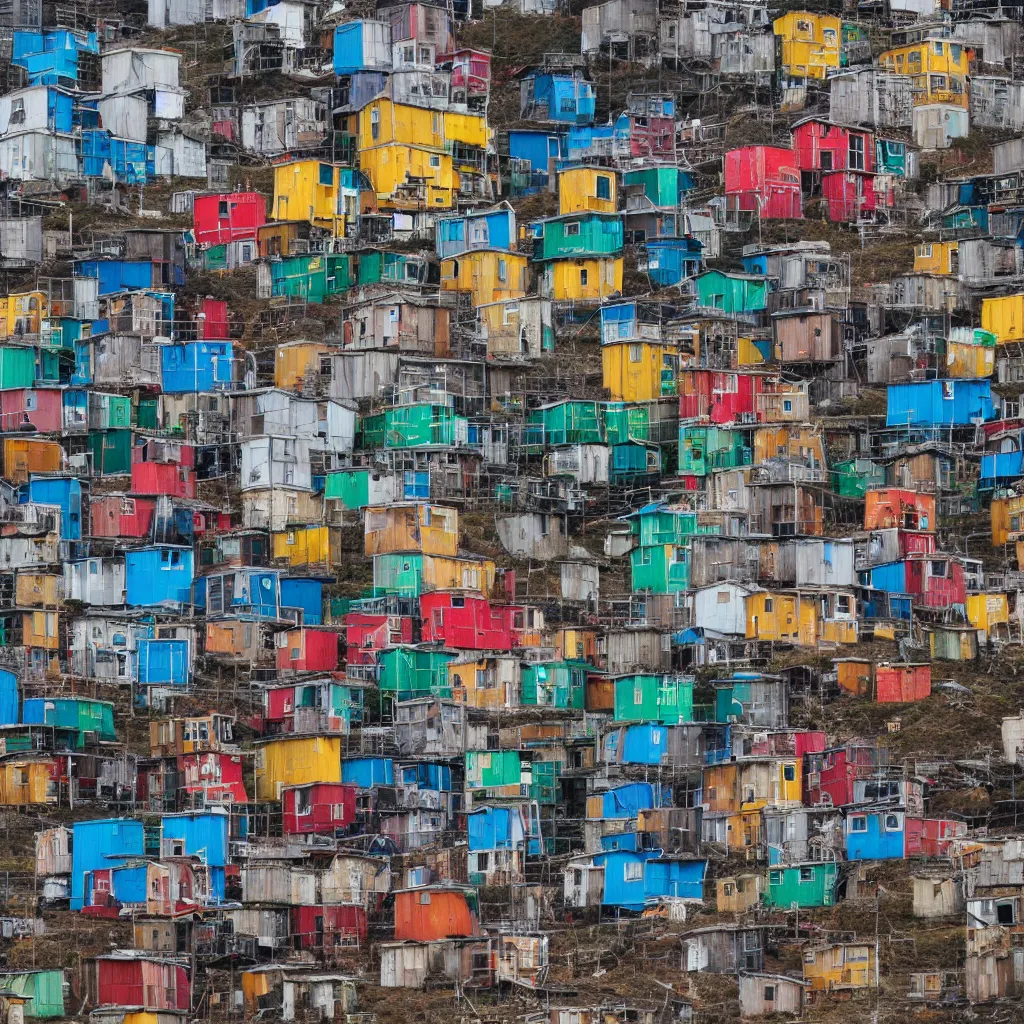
449, 494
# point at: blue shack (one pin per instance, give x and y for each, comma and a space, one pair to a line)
535, 152
426, 777
671, 260
625, 801
495, 828
939, 403
890, 577
158, 575
8, 698
367, 772
100, 846
1001, 467
115, 275
644, 743
128, 884
163, 662
560, 96
305, 593
362, 45
590, 142
66, 494
202, 834
486, 229
634, 877
51, 58
131, 162
197, 366
876, 835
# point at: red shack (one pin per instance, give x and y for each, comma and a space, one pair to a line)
117, 515
719, 396
367, 635
164, 469
318, 809
766, 180
308, 650
228, 217
37, 409
854, 196
896, 507
466, 621
433, 912
822, 146
212, 778
151, 983
900, 684
830, 775
324, 928
213, 320
935, 581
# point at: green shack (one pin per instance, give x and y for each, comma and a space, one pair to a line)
111, 452
146, 413
854, 478
565, 423
802, 885
660, 569
109, 412
623, 422
654, 698
357, 488
553, 684
704, 448
735, 293
664, 185
493, 769
410, 672
577, 234
44, 991
17, 367
310, 276
661, 524
413, 426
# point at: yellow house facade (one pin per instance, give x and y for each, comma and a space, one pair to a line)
296, 761
840, 965
938, 69
587, 188
782, 616
969, 361
429, 529
37, 590
398, 142
811, 44
26, 782
310, 190
1004, 317
295, 361
639, 371
937, 258
308, 545
587, 279
489, 275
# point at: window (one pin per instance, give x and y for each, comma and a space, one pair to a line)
807, 874
859, 824
502, 270
17, 111
326, 175
769, 605
572, 229
583, 278
632, 871
857, 152
789, 772
425, 899
604, 187
728, 889
892, 823
222, 208
375, 124
775, 878
435, 160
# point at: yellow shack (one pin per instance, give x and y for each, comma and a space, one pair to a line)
640, 371
296, 761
